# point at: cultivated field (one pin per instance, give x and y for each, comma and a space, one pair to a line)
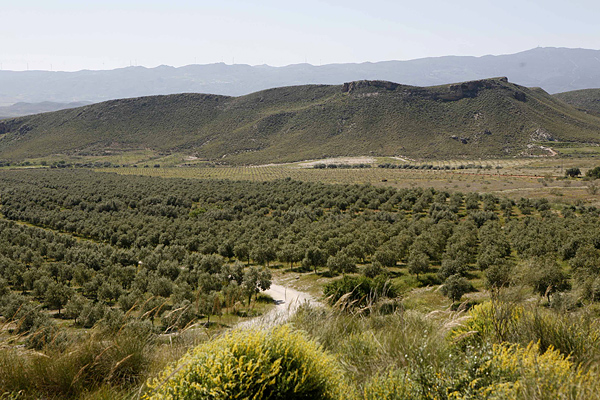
514, 178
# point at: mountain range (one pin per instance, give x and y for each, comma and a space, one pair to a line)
482, 118
553, 69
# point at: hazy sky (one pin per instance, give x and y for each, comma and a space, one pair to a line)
89, 34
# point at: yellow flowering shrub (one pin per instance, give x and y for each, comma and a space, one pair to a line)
489, 320
575, 335
394, 385
253, 364
517, 372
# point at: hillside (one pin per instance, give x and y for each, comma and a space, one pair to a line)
491, 117
553, 69
587, 100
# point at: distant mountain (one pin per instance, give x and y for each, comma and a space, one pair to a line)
21, 109
587, 100
553, 69
490, 117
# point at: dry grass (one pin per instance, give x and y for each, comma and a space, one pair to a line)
515, 178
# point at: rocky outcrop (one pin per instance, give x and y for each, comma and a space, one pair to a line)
469, 89
520, 96
454, 92
14, 125
350, 87
476, 138
463, 140
541, 135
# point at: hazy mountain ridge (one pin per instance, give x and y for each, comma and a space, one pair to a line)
553, 69
21, 109
484, 118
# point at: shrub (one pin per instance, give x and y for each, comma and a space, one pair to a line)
517, 372
394, 385
593, 173
573, 335
489, 321
252, 364
374, 269
572, 172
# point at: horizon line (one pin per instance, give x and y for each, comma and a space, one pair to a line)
291, 65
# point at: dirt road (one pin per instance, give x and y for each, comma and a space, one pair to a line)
287, 301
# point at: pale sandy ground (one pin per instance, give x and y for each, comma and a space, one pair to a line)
287, 301
550, 150
338, 160
405, 159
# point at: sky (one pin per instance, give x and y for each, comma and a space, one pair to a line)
68, 35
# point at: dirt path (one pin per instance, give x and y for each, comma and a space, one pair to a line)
287, 301
550, 150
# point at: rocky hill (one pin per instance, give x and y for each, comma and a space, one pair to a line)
482, 118
586, 100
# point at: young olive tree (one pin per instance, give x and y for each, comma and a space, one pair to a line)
455, 287
256, 280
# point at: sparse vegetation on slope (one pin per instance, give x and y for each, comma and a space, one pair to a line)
482, 118
586, 100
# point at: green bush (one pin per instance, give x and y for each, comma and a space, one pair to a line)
593, 173
572, 172
253, 364
374, 269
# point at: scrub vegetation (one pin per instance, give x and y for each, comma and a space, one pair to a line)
586, 100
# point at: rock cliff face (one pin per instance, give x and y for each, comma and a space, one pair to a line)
350, 87
8, 125
469, 89
443, 93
